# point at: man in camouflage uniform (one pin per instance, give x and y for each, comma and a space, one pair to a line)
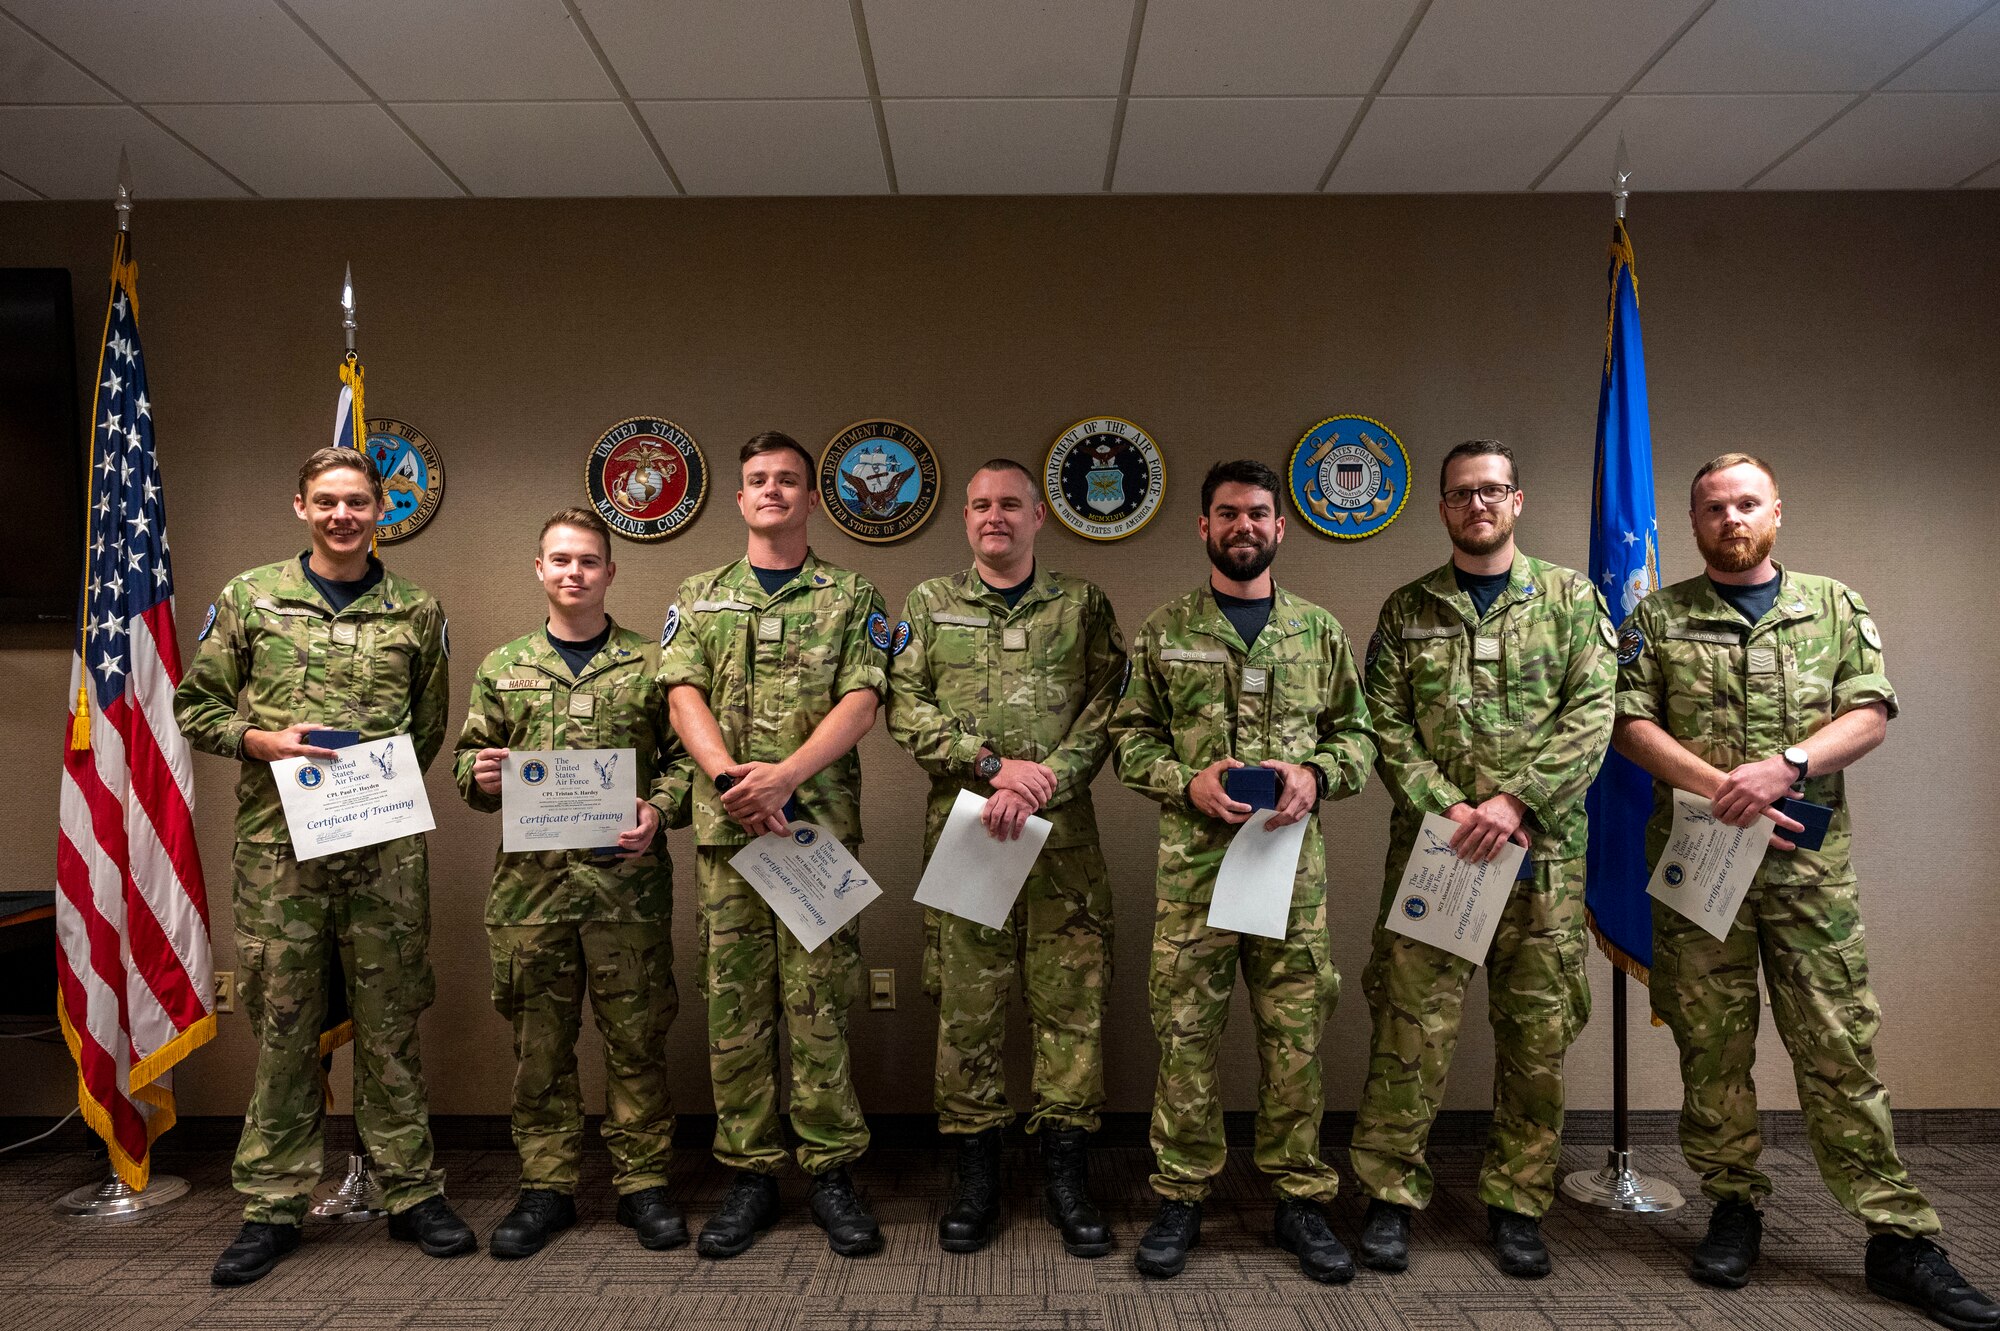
1742, 685
561, 921
1004, 689
775, 667
1240, 672
1489, 682
328, 640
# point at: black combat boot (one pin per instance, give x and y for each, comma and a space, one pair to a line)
1300, 1228
539, 1214
253, 1252
838, 1209
1517, 1243
1163, 1251
1916, 1272
975, 1208
1725, 1256
750, 1208
657, 1221
434, 1227
1066, 1201
1385, 1236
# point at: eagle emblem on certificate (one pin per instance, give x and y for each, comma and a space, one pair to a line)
412, 472
879, 480
646, 478
1349, 477
1104, 478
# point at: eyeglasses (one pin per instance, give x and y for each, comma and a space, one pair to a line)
1489, 495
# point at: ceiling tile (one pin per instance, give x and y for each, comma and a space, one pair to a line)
975, 146
539, 149
1458, 145
1801, 45
1229, 145
31, 72
1266, 47
191, 50
1534, 46
515, 49
742, 148
71, 152
1898, 140
1968, 61
1693, 143
730, 48
999, 48
342, 151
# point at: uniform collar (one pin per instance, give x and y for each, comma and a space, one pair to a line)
1792, 602
1522, 585
293, 585
740, 577
616, 651
970, 587
1287, 618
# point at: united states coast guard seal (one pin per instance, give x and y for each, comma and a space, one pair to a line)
879, 480
412, 473
646, 478
1104, 478
1349, 477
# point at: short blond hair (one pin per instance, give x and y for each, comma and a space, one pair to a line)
1726, 461
333, 459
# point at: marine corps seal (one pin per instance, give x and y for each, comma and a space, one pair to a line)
1104, 478
646, 478
1349, 477
878, 480
412, 473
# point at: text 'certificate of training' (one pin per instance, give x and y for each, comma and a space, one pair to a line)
567, 799
373, 792
808, 880
1708, 866
1448, 902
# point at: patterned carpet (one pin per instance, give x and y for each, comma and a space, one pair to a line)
57, 1275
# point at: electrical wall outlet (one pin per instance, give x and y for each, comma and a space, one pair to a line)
881, 990
225, 991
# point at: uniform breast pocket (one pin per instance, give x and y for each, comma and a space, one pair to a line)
812, 654
1197, 690
957, 646
1299, 694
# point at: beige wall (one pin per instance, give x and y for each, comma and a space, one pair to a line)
1851, 339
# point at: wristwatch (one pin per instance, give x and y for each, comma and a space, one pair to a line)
987, 768
1798, 758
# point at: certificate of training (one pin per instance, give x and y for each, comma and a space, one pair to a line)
1253, 887
567, 799
1708, 866
373, 792
808, 880
1448, 902
973, 875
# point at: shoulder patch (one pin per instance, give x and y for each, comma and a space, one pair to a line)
1609, 634
901, 642
878, 629
1871, 634
1374, 650
672, 626
207, 626
1630, 643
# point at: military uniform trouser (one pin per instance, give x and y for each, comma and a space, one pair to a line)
754, 977
1815, 967
1059, 937
374, 906
1292, 988
1537, 998
540, 973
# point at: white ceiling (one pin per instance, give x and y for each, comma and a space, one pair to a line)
593, 98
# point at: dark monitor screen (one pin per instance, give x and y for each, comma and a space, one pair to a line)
41, 454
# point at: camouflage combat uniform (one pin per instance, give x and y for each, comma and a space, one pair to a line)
1036, 682
378, 667
1517, 702
1730, 692
561, 921
1194, 696
773, 666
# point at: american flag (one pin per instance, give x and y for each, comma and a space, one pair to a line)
136, 990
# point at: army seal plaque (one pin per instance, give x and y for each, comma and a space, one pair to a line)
646, 478
1349, 477
1104, 478
879, 480
412, 472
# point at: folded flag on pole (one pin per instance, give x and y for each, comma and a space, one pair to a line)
135, 990
1625, 562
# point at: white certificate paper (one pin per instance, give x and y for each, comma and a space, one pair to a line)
1708, 866
1452, 903
808, 880
973, 876
373, 792
567, 799
1253, 888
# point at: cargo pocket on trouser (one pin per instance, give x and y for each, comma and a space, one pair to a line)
501, 955
250, 979
1576, 988
1326, 979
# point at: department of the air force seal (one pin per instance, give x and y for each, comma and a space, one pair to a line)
1104, 478
412, 472
1349, 477
309, 776
534, 772
646, 478
1673, 874
878, 480
1415, 908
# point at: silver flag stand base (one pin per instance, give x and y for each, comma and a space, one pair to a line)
1617, 1187
354, 1199
112, 1202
